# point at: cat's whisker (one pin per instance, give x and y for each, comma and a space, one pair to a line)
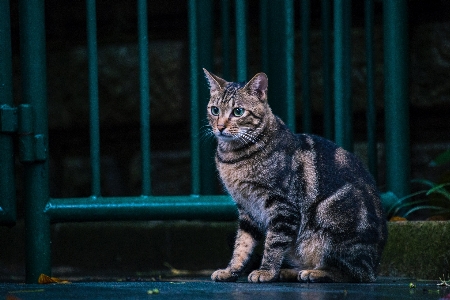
207, 135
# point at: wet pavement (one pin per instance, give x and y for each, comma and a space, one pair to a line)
385, 288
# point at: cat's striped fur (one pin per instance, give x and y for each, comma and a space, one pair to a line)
312, 203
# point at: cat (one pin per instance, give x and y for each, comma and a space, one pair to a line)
313, 203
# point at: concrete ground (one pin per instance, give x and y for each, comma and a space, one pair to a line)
202, 288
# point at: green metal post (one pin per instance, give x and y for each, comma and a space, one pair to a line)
241, 40
226, 58
144, 96
264, 33
305, 11
93, 96
395, 24
7, 121
342, 74
200, 42
209, 182
195, 118
371, 106
281, 60
32, 51
327, 67
289, 35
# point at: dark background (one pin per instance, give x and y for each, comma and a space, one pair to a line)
429, 57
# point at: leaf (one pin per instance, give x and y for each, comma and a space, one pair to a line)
176, 272
441, 159
439, 210
431, 184
153, 291
397, 219
44, 279
440, 189
408, 204
393, 210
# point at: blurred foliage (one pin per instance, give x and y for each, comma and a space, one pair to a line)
433, 200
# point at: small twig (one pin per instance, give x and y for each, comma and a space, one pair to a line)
443, 281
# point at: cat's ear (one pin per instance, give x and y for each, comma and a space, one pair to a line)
215, 82
258, 85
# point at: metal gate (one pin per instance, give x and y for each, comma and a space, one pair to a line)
28, 122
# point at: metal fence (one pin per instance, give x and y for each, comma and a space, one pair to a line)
28, 122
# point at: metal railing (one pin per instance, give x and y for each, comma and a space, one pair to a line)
29, 120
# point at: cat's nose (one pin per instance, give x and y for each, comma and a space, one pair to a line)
221, 128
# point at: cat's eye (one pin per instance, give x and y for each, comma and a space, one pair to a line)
215, 110
238, 111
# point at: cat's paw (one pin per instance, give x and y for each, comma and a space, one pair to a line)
263, 276
224, 275
315, 276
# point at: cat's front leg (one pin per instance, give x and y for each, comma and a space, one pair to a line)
274, 252
280, 235
246, 240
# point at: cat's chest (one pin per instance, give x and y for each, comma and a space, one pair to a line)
250, 183
249, 174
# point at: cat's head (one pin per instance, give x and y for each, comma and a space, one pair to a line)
236, 111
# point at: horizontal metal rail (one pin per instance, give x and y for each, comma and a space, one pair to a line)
208, 208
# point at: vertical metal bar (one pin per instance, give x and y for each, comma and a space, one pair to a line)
289, 36
327, 84
144, 96
32, 51
209, 183
264, 34
195, 119
305, 11
200, 23
6, 56
93, 96
342, 74
7, 182
395, 27
225, 18
348, 74
281, 60
371, 107
241, 40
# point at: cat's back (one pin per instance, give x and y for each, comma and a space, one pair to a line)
331, 165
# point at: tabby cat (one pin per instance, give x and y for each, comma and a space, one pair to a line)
313, 203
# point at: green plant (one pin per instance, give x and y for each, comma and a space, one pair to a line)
441, 159
435, 198
405, 206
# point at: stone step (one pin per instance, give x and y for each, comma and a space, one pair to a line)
152, 249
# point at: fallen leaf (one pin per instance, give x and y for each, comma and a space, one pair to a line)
153, 291
437, 218
397, 219
45, 279
176, 272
